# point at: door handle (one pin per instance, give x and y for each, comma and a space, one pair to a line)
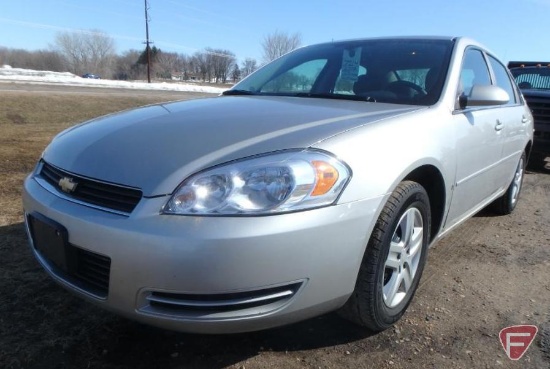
499, 126
524, 120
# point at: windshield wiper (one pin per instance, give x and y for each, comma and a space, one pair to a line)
335, 96
238, 92
303, 94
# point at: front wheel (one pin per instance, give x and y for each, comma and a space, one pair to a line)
393, 261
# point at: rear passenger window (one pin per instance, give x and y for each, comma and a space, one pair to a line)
503, 79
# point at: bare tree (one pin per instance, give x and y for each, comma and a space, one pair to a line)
220, 63
248, 66
4, 52
236, 73
167, 65
47, 60
209, 61
183, 66
200, 64
37, 60
127, 67
90, 51
133, 64
278, 44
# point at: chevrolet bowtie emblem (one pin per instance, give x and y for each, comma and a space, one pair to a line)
67, 184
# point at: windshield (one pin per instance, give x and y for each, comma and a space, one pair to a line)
532, 78
400, 71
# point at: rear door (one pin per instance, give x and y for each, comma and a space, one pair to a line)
515, 121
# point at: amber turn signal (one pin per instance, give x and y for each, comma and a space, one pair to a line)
326, 176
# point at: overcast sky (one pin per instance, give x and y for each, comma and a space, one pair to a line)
513, 29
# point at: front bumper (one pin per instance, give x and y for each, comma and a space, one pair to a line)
212, 274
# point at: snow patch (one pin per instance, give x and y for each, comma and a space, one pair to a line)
7, 73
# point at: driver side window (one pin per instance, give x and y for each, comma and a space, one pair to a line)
474, 72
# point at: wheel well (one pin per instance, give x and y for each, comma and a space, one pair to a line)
431, 179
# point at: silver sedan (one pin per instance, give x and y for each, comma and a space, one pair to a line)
316, 184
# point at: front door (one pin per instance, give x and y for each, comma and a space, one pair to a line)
479, 144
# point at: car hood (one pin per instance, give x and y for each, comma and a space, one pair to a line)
154, 148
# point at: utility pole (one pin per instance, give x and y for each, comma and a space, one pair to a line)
147, 42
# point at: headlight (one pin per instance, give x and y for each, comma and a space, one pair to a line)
275, 183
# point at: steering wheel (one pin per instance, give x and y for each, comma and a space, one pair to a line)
406, 89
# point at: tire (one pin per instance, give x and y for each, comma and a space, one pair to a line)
507, 203
392, 264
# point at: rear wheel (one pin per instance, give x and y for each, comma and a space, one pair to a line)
394, 260
507, 202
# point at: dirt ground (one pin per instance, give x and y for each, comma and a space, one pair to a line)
490, 273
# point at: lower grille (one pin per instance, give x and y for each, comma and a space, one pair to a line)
84, 269
92, 271
219, 305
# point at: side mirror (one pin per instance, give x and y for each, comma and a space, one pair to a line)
484, 95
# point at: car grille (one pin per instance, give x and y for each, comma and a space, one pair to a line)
86, 270
92, 271
219, 305
540, 108
88, 191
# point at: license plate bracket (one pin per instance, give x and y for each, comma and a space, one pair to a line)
51, 240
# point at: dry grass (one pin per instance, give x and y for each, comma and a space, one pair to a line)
29, 121
33, 310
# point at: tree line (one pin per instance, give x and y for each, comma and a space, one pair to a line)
94, 52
